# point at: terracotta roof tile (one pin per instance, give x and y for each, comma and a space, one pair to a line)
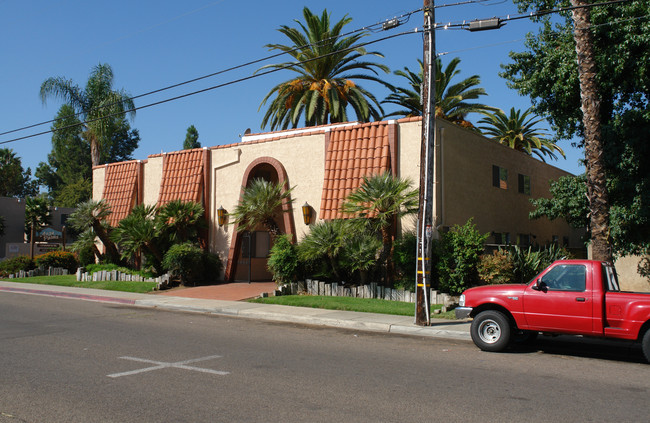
352, 153
182, 176
120, 187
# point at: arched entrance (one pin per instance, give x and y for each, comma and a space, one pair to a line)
248, 253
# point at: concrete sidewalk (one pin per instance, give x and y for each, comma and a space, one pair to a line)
373, 322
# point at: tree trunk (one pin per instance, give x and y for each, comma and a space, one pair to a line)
94, 149
111, 249
386, 256
596, 179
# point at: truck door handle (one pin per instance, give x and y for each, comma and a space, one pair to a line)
580, 299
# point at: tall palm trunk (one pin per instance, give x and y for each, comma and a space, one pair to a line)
596, 179
94, 149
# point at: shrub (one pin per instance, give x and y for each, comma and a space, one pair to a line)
529, 262
86, 256
191, 264
283, 261
15, 264
63, 259
496, 268
405, 260
458, 257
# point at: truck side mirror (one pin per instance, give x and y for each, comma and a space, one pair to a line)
539, 285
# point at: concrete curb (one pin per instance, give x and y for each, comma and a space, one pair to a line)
370, 322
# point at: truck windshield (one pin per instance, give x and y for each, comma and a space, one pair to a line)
612, 280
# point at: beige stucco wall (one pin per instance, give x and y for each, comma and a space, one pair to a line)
467, 161
303, 158
628, 275
99, 177
463, 182
153, 170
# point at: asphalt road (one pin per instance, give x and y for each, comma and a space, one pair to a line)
74, 361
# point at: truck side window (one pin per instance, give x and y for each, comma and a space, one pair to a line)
566, 277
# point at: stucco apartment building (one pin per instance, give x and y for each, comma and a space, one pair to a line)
474, 178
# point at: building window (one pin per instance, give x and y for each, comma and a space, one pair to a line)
524, 240
501, 238
524, 184
499, 177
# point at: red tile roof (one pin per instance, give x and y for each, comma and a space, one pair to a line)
182, 177
352, 153
120, 188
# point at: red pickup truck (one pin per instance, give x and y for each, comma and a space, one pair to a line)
579, 297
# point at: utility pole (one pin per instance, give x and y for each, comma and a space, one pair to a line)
425, 214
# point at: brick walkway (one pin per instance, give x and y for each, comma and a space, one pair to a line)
227, 291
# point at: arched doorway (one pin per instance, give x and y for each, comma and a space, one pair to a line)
248, 253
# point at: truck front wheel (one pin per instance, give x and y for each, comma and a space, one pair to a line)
645, 344
491, 331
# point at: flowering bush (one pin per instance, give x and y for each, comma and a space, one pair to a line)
61, 259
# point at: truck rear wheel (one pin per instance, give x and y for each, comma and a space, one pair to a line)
645, 344
491, 331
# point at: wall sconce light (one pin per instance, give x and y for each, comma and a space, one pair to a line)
221, 215
306, 213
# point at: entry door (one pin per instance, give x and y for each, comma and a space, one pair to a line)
563, 304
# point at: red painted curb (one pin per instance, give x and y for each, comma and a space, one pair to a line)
98, 298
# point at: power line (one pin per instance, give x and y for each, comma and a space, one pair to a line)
214, 87
378, 26
465, 24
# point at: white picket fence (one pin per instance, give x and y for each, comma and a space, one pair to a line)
373, 290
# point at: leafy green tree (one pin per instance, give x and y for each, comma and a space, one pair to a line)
327, 64
548, 72
261, 203
96, 105
37, 215
67, 173
191, 139
451, 98
458, 257
518, 132
92, 214
383, 199
628, 186
14, 180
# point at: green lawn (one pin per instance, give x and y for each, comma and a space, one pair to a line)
350, 304
71, 280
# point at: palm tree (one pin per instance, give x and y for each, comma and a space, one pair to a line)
260, 204
518, 131
138, 231
327, 64
93, 214
451, 100
181, 220
383, 199
324, 241
37, 216
96, 104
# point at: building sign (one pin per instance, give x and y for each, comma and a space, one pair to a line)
49, 235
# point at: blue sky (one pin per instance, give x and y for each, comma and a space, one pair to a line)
153, 44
